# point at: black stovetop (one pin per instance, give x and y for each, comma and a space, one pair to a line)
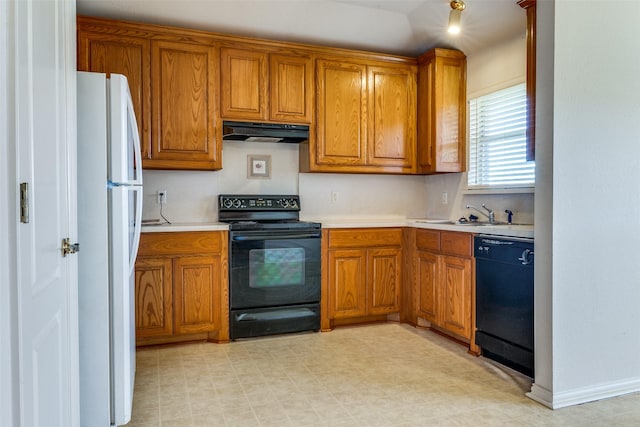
262, 212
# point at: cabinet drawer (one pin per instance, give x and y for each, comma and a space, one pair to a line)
428, 239
195, 242
365, 237
456, 243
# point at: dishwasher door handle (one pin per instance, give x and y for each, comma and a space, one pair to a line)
525, 257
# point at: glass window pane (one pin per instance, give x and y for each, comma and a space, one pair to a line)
497, 143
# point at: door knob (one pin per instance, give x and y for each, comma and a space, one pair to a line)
68, 247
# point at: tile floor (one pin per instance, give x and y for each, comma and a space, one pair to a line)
376, 375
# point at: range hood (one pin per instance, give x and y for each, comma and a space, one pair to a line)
264, 132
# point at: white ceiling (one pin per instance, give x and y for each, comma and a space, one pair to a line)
403, 27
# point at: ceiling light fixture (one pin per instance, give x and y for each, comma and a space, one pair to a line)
457, 6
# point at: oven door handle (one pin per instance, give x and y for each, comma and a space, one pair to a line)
253, 237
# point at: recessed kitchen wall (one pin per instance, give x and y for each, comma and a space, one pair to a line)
192, 195
326, 196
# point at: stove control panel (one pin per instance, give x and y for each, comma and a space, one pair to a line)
228, 202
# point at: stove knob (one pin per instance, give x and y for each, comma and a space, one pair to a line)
227, 203
293, 204
236, 203
284, 203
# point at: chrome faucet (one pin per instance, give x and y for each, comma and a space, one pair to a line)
490, 215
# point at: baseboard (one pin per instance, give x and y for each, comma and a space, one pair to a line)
541, 395
583, 395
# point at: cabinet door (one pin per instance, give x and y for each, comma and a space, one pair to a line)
291, 83
185, 129
347, 283
120, 54
244, 84
392, 118
153, 297
196, 293
341, 138
455, 285
384, 276
427, 276
442, 111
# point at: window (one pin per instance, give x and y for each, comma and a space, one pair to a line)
497, 143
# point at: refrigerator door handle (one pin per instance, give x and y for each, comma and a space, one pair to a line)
135, 136
137, 228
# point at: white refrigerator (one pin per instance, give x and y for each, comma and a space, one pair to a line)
109, 220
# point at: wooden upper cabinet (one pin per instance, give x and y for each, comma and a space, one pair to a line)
392, 117
341, 135
262, 86
174, 84
442, 111
244, 84
365, 118
121, 54
530, 7
291, 88
185, 127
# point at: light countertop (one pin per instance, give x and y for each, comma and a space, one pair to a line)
513, 230
509, 230
184, 226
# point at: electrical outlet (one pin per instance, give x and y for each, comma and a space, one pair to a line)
162, 197
334, 196
445, 198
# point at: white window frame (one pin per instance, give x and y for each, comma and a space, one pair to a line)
528, 187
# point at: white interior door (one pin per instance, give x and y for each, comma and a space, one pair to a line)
45, 149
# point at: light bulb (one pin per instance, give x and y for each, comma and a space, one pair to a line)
454, 21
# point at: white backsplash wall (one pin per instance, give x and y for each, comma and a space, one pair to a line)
454, 184
192, 195
362, 196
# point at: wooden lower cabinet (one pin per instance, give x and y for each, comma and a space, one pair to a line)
427, 276
384, 277
181, 287
154, 297
455, 299
348, 278
196, 293
444, 281
364, 274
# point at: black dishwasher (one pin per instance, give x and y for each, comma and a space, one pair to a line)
504, 300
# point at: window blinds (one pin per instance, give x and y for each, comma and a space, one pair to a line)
497, 143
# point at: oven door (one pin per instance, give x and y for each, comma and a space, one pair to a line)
274, 268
